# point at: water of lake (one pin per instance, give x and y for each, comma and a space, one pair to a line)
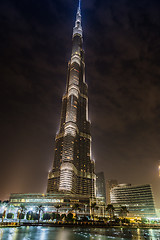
53, 233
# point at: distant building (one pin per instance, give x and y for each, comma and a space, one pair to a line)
100, 186
109, 185
138, 200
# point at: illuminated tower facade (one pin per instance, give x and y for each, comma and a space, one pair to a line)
159, 168
73, 168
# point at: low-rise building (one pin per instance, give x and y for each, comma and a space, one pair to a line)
49, 202
138, 200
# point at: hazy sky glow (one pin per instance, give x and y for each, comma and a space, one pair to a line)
122, 45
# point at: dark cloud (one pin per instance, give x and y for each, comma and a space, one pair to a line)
121, 40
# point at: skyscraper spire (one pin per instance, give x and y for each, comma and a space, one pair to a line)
79, 5
78, 28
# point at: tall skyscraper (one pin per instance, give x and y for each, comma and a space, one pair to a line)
73, 168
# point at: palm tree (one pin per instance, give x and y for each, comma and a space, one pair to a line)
4, 214
39, 209
10, 209
93, 207
123, 211
22, 210
4, 205
57, 207
53, 216
110, 209
76, 208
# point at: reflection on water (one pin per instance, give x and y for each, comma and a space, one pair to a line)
63, 234
1, 233
52, 233
138, 234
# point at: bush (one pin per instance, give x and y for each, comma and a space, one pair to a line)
84, 219
35, 216
21, 215
53, 216
46, 216
29, 215
70, 217
125, 220
63, 216
10, 215
144, 220
58, 217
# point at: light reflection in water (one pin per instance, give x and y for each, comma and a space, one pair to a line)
1, 233
14, 234
63, 234
138, 234
152, 235
52, 233
44, 234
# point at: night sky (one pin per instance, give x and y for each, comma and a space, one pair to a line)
122, 46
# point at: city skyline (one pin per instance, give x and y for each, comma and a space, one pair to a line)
121, 42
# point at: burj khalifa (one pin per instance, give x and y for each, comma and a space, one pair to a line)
73, 166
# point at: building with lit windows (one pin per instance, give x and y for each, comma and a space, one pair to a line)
73, 167
101, 187
109, 185
138, 200
50, 201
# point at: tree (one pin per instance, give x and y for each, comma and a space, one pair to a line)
123, 211
57, 214
58, 217
63, 217
110, 209
39, 209
21, 212
46, 216
11, 208
6, 202
93, 207
4, 214
69, 217
144, 220
53, 216
10, 215
76, 208
4, 207
29, 215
